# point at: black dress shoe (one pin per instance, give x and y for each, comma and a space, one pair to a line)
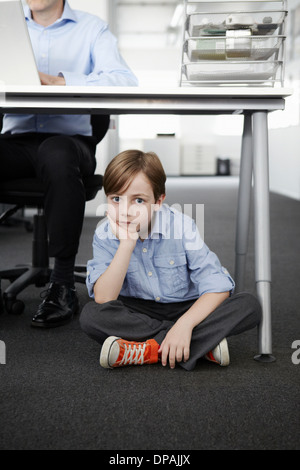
58, 306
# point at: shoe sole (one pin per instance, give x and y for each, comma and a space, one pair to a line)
51, 325
105, 350
224, 353
54, 324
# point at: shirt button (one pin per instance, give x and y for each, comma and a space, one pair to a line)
145, 250
150, 273
157, 299
172, 261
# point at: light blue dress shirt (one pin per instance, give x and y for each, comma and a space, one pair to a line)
80, 47
172, 265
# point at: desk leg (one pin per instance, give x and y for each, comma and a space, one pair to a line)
262, 232
244, 203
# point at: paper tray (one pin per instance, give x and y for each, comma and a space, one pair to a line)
223, 72
212, 24
237, 48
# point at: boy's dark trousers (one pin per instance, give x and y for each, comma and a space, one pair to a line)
138, 320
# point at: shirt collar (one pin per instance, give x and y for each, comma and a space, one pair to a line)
67, 15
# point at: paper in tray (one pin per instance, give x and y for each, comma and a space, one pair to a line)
228, 71
237, 47
216, 24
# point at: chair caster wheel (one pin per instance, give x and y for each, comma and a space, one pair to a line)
15, 307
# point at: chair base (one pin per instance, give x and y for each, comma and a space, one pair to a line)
38, 273
29, 192
23, 276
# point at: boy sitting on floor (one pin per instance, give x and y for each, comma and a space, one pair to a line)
160, 293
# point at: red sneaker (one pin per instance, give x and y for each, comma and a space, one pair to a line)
220, 354
117, 352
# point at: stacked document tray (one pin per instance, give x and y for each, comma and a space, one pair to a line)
234, 43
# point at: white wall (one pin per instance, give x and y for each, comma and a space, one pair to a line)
284, 140
284, 145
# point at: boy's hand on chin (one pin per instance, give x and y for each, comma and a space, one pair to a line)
124, 232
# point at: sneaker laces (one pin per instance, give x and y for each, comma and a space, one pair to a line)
134, 354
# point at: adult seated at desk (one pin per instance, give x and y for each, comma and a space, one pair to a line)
71, 48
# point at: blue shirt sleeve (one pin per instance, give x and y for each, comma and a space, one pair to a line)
102, 257
107, 66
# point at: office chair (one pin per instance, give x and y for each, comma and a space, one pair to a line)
28, 192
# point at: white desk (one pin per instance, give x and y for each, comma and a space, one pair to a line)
254, 103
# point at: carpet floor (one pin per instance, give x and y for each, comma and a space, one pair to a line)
54, 394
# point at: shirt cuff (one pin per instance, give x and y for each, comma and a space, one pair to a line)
217, 283
73, 79
92, 275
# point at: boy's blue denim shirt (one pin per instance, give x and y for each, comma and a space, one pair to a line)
172, 265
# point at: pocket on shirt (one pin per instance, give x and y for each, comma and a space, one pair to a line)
173, 273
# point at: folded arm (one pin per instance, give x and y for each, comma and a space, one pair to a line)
110, 283
109, 67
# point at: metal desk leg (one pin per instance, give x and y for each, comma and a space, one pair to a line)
262, 232
244, 203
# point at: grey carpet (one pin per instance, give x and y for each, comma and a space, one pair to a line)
54, 394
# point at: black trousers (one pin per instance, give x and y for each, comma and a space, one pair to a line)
138, 320
59, 161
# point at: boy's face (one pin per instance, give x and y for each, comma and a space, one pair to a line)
133, 208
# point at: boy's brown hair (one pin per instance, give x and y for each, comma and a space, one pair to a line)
125, 166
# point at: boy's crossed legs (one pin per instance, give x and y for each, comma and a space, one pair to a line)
148, 322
